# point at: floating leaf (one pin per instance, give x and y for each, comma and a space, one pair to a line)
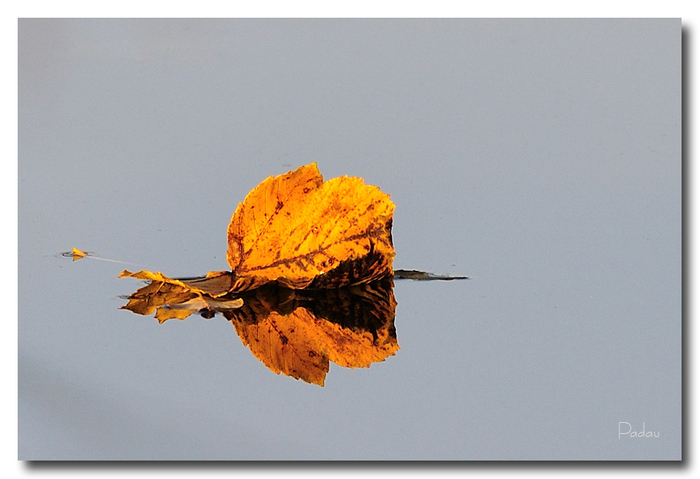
154, 296
171, 300
311, 280
76, 254
302, 232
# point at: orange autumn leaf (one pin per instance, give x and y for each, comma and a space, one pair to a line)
303, 232
155, 295
299, 232
76, 254
171, 299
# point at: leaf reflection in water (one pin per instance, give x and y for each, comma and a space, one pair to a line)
311, 277
293, 332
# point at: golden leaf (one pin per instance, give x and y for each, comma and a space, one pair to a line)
171, 299
311, 280
76, 254
311, 276
155, 296
303, 232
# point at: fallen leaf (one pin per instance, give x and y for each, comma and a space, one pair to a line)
302, 232
171, 299
155, 296
77, 254
311, 280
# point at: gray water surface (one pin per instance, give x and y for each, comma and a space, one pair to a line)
541, 158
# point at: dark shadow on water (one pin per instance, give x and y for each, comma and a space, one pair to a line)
293, 332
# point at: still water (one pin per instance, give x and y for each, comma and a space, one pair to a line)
541, 158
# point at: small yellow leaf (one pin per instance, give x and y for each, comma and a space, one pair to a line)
77, 254
155, 296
